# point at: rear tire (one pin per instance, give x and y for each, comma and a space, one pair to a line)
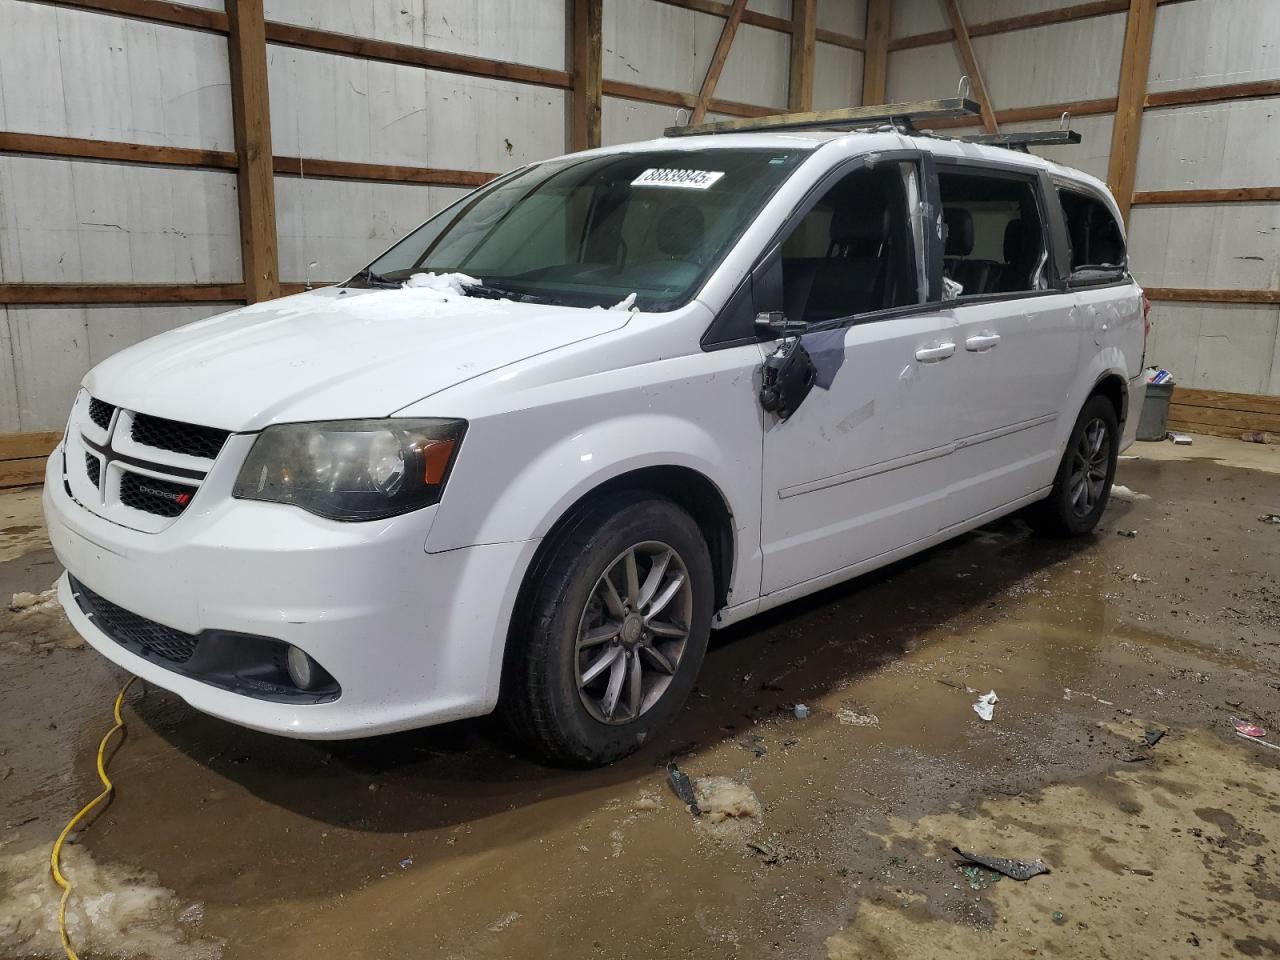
608, 643
1082, 485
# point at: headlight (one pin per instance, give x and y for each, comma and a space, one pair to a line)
352, 469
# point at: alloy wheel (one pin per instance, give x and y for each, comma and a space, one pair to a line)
1089, 465
633, 632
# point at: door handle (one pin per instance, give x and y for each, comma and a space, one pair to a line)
940, 352
982, 341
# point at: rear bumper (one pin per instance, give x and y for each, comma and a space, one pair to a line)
412, 638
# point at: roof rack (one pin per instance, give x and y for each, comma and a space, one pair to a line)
1021, 141
901, 115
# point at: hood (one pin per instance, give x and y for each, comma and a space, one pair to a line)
335, 353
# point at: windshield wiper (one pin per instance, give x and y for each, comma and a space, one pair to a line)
490, 292
375, 279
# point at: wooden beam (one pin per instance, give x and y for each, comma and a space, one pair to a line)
403, 53
970, 60
1223, 400
839, 39
1229, 195
1126, 132
251, 116
587, 60
804, 37
1218, 94
104, 293
674, 98
1198, 295
18, 446
75, 148
875, 63
842, 118
22, 473
1026, 21
154, 11
376, 172
718, 58
717, 9
290, 287
1047, 111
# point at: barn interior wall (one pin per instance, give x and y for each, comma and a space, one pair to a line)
67, 72
1233, 246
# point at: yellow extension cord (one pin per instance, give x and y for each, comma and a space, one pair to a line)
107, 788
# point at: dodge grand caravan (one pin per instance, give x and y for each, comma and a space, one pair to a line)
530, 456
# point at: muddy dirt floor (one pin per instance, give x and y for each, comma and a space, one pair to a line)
225, 843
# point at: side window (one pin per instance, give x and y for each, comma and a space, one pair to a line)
860, 249
1097, 243
994, 235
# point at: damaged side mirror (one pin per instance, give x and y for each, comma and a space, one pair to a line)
788, 376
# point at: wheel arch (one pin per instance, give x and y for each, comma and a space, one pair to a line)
1114, 387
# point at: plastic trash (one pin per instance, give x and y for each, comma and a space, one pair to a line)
985, 708
682, 787
1248, 729
1157, 375
801, 712
1014, 869
1181, 439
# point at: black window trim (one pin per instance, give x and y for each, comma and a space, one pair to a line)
729, 317
1051, 224
1094, 276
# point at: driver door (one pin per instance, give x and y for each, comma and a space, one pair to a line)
860, 469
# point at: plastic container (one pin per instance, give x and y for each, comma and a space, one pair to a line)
1153, 422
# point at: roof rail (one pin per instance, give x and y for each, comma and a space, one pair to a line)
1020, 141
902, 115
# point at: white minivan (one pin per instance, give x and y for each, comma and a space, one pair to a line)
533, 453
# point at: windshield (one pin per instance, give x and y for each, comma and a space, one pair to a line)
591, 231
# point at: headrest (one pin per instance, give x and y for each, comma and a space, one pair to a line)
855, 223
959, 228
1015, 238
680, 230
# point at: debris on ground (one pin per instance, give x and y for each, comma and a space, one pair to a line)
1139, 578
731, 811
1127, 533
801, 712
985, 708
1121, 492
768, 852
1270, 518
852, 718
1260, 436
1152, 737
682, 787
1014, 869
1248, 729
406, 863
116, 911
1180, 439
504, 921
753, 743
24, 601
979, 877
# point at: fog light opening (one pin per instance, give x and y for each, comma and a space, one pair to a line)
305, 673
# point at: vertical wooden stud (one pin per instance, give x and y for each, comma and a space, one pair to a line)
1125, 135
875, 59
251, 112
804, 38
588, 69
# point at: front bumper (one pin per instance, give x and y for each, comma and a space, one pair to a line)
412, 638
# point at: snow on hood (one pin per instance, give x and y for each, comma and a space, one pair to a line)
335, 353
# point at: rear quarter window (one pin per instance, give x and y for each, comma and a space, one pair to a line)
1096, 240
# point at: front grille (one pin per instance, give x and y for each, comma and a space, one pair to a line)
93, 467
189, 438
100, 413
132, 631
161, 497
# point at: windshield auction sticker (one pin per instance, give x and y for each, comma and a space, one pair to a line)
686, 179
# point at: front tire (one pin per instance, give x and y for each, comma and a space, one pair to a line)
1082, 485
609, 642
